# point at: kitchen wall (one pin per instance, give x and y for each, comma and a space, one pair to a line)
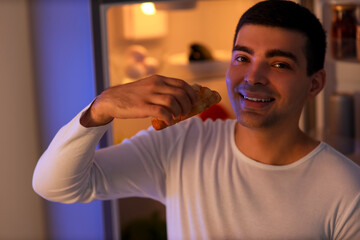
21, 210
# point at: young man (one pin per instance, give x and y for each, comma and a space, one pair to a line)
257, 177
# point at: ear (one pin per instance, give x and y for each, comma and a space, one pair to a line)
317, 83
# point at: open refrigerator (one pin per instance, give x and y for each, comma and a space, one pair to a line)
192, 40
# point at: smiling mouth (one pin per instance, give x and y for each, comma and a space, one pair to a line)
263, 100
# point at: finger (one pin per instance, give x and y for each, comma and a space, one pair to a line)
145, 109
176, 99
181, 92
161, 113
181, 84
168, 101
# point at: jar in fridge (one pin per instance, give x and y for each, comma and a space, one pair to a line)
343, 31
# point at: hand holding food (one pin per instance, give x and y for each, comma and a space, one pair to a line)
156, 96
206, 98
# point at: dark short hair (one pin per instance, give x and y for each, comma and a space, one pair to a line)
292, 16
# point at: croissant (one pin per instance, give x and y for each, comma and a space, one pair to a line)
206, 98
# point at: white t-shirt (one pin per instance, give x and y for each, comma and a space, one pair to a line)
210, 189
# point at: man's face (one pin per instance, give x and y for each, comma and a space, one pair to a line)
266, 80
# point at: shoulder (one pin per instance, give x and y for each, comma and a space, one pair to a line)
340, 168
331, 155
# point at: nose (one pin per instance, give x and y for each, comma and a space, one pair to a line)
256, 74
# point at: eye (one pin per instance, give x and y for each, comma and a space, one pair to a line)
242, 59
281, 65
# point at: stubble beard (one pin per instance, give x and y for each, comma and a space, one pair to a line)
255, 120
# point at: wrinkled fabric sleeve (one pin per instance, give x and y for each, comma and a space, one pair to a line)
348, 226
72, 170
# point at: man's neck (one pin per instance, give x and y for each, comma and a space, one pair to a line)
273, 146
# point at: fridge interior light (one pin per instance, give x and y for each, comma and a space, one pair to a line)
143, 21
148, 8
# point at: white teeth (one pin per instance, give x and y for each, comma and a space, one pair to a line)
257, 99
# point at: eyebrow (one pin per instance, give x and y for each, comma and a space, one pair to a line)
269, 54
243, 49
281, 53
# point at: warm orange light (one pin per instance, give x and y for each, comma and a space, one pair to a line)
148, 8
140, 23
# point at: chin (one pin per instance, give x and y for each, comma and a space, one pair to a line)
254, 121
